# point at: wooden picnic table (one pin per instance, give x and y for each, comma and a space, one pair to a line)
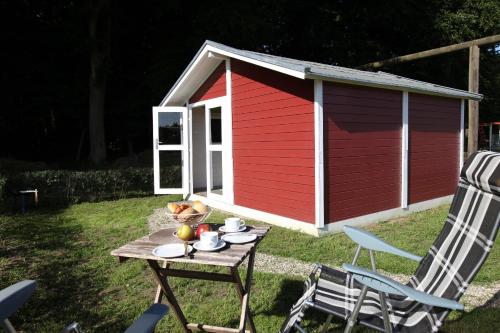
230, 257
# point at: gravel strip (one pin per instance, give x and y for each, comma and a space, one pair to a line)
487, 295
158, 219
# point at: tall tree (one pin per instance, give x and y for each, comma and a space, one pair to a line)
99, 39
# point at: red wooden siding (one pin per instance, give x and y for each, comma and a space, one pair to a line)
362, 150
273, 141
214, 86
434, 125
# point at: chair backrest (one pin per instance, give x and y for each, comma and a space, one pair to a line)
13, 297
468, 234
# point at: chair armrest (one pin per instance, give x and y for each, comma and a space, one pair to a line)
372, 242
148, 320
388, 285
13, 297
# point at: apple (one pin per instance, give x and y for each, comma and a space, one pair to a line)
202, 228
185, 233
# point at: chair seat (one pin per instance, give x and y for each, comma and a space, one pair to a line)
336, 292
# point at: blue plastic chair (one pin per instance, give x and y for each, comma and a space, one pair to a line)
13, 297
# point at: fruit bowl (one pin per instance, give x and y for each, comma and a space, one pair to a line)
188, 215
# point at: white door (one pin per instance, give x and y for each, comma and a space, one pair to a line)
215, 150
170, 150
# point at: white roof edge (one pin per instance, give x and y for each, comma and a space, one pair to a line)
310, 70
462, 94
209, 46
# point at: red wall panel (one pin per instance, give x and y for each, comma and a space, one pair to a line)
214, 86
434, 141
273, 141
362, 150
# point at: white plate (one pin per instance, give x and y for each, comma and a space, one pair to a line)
239, 238
201, 247
242, 228
171, 250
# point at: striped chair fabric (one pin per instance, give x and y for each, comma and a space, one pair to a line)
446, 270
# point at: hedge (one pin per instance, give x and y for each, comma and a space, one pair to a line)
77, 186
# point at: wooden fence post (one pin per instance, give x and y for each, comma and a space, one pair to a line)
473, 105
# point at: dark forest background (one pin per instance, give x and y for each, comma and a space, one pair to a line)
46, 49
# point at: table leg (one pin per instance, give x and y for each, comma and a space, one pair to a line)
241, 293
159, 292
167, 291
244, 293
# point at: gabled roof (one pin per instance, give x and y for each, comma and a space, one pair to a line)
202, 65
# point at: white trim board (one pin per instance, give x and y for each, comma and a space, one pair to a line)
258, 215
310, 228
386, 214
404, 152
319, 171
228, 134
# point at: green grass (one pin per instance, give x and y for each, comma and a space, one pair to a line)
67, 251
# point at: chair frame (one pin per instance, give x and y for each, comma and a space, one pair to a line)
372, 279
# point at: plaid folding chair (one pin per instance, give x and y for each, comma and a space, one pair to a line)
363, 296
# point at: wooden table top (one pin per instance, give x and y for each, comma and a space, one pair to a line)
232, 255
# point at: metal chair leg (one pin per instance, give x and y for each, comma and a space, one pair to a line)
354, 315
298, 328
7, 326
385, 313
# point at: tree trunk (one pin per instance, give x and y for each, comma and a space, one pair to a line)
100, 38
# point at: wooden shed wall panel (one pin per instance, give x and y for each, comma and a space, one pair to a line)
362, 150
273, 141
214, 86
434, 125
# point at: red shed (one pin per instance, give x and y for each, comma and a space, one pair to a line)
305, 145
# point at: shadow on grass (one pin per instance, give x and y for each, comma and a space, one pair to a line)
289, 292
485, 318
46, 246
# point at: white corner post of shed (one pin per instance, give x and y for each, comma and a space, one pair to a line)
228, 134
461, 149
319, 171
404, 152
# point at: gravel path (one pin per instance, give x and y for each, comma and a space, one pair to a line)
476, 295
487, 295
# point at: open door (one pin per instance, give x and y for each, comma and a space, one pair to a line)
170, 150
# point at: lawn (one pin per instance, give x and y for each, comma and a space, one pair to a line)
67, 251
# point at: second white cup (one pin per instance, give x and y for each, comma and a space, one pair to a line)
209, 238
233, 223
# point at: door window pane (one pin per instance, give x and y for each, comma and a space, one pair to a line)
215, 126
170, 169
216, 159
170, 128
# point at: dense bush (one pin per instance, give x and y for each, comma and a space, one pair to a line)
77, 186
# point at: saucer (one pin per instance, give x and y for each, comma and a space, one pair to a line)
170, 250
242, 228
239, 238
199, 246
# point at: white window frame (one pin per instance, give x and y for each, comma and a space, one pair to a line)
211, 104
183, 148
225, 147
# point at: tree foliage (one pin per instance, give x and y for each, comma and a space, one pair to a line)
46, 58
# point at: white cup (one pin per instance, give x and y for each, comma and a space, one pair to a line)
209, 238
233, 223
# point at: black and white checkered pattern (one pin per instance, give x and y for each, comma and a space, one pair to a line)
446, 271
